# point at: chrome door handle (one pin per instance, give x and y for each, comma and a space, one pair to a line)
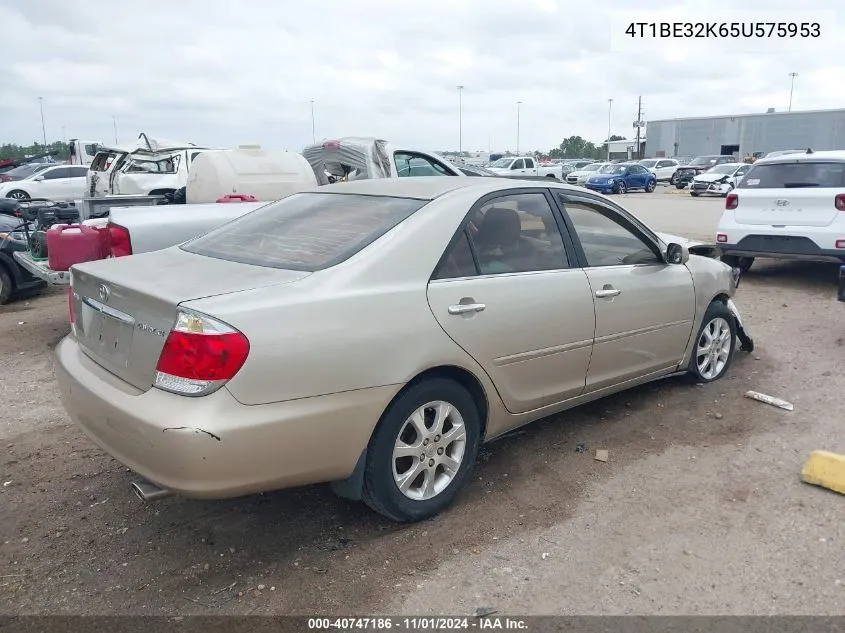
608, 292
464, 308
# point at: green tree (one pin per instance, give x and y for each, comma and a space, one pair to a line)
17, 152
577, 147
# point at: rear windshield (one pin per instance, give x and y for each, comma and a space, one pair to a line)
792, 175
306, 231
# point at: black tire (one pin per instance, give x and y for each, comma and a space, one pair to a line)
651, 186
17, 194
380, 491
694, 194
674, 179
6, 286
735, 261
620, 187
716, 310
680, 185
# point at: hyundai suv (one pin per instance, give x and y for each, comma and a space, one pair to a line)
788, 207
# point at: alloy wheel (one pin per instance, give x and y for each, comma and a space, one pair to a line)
429, 450
713, 348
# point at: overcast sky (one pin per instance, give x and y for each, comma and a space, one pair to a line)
222, 73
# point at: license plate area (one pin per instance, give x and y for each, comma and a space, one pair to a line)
106, 333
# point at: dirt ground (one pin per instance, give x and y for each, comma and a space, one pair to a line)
699, 509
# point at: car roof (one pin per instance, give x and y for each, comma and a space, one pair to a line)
430, 187
791, 158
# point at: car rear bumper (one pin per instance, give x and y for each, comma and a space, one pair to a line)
782, 247
214, 446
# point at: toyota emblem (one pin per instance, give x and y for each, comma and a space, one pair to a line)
104, 293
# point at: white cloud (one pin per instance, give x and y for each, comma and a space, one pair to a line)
222, 73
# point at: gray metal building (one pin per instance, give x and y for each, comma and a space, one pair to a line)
747, 134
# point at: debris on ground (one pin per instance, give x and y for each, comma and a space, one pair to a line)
580, 447
602, 455
545, 555
775, 402
483, 612
825, 469
718, 416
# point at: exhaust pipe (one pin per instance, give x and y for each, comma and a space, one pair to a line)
146, 491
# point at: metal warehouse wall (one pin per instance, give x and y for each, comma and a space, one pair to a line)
753, 133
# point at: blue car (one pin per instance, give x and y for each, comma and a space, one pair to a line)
622, 177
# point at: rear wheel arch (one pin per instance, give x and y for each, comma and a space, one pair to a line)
161, 192
461, 376
352, 487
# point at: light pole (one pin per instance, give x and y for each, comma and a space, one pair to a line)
460, 121
518, 106
609, 108
43, 129
792, 77
313, 124
114, 124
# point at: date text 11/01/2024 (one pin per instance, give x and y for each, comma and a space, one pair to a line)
724, 29
414, 624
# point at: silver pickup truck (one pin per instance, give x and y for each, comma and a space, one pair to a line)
140, 229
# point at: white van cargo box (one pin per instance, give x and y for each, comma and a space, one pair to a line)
247, 170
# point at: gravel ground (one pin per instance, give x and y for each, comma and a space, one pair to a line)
699, 509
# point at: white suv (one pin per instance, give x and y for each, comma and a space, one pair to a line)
788, 207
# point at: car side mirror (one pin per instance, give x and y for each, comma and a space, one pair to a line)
38, 178
677, 254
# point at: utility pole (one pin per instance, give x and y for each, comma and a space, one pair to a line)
114, 124
609, 106
518, 105
792, 77
43, 129
313, 124
639, 123
460, 122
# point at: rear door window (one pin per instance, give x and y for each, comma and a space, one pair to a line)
57, 173
306, 231
795, 175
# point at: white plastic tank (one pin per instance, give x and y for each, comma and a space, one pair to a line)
248, 171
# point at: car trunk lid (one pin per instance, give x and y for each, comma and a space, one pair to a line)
786, 207
122, 319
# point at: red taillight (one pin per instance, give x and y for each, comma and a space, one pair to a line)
839, 201
722, 238
199, 355
840, 244
121, 245
732, 201
331, 144
71, 315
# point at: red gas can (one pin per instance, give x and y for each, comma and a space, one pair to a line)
237, 197
69, 244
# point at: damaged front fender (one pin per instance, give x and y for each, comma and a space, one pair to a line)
746, 343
